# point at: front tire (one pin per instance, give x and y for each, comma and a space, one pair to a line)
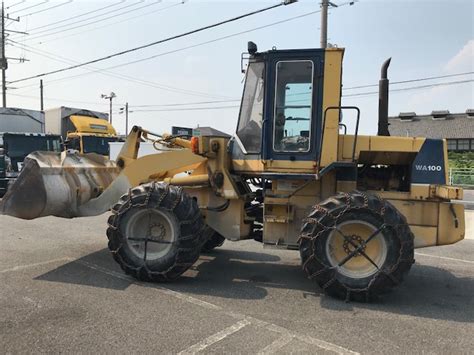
356, 246
156, 232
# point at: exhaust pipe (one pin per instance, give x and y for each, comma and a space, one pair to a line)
383, 100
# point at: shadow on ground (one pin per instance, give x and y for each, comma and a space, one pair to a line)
428, 291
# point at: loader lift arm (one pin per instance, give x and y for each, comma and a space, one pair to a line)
71, 185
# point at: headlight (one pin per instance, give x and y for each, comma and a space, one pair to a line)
8, 164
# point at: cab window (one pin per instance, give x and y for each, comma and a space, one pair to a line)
293, 106
249, 129
74, 143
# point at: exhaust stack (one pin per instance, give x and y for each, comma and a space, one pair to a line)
383, 100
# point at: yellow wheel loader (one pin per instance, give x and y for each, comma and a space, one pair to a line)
354, 206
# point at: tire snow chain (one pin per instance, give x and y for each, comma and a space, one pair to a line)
326, 228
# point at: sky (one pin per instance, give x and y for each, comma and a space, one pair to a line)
424, 38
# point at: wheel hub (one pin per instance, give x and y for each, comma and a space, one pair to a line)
349, 236
356, 242
157, 232
150, 233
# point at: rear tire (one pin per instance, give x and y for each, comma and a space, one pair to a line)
156, 232
340, 225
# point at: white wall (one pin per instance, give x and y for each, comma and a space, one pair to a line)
145, 149
20, 120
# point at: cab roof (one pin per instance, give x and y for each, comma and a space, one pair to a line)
85, 124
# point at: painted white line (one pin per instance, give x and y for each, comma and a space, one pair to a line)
241, 317
445, 258
187, 298
312, 341
167, 291
22, 267
276, 345
326, 345
105, 271
194, 349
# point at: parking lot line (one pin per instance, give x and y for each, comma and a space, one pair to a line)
215, 338
277, 344
309, 340
243, 318
445, 258
27, 266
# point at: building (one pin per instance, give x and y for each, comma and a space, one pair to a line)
15, 120
457, 128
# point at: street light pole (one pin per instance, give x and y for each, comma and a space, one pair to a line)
110, 98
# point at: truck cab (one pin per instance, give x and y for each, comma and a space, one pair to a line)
90, 135
14, 148
83, 130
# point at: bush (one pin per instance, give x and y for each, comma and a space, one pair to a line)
463, 168
461, 160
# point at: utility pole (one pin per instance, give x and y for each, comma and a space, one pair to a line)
126, 118
110, 115
325, 4
324, 23
41, 96
109, 97
122, 110
4, 60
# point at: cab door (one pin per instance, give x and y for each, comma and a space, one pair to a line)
293, 114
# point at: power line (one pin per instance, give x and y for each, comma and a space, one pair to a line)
128, 78
62, 100
285, 2
189, 109
78, 16
48, 8
82, 24
30, 7
111, 24
413, 88
410, 81
362, 86
191, 46
187, 103
233, 106
187, 47
16, 4
394, 83
223, 101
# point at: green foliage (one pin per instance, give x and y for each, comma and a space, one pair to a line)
461, 160
463, 168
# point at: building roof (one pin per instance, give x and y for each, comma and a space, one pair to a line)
438, 124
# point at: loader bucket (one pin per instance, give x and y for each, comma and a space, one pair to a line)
71, 185
58, 184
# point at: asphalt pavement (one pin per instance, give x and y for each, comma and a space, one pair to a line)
61, 291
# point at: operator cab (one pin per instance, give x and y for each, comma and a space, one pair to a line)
280, 116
